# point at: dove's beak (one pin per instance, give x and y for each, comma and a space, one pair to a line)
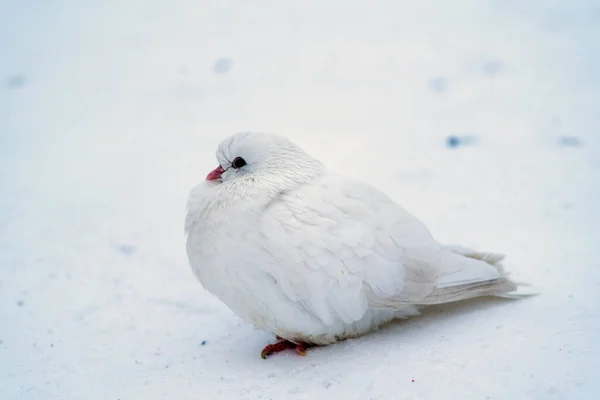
215, 174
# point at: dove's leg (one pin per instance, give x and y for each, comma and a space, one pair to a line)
282, 345
301, 348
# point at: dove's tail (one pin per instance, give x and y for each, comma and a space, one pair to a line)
466, 274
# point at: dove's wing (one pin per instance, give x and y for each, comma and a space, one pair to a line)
340, 245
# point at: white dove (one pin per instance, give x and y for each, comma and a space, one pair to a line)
315, 257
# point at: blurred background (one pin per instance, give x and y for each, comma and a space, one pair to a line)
479, 117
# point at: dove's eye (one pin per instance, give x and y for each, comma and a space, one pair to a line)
239, 162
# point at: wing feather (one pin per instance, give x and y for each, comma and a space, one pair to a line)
342, 248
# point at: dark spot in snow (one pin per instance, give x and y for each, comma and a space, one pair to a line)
455, 141
569, 141
438, 84
51, 345
222, 66
203, 342
413, 380
15, 82
492, 67
452, 141
20, 303
127, 249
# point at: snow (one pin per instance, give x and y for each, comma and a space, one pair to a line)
481, 118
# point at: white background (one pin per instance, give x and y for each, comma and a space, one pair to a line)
111, 111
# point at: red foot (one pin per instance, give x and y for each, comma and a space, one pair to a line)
282, 345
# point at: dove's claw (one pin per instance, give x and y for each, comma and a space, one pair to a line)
282, 345
301, 349
276, 348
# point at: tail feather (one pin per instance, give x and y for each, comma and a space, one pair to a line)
498, 287
468, 274
490, 258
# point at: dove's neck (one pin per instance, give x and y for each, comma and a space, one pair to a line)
259, 189
245, 198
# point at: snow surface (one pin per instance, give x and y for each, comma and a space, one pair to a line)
479, 117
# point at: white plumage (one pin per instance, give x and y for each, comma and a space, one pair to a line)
315, 257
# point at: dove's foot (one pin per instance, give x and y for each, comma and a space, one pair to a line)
282, 345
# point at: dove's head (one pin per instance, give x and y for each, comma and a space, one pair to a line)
255, 157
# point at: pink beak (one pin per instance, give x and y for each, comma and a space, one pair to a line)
215, 174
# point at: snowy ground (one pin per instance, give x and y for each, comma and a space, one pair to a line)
110, 112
